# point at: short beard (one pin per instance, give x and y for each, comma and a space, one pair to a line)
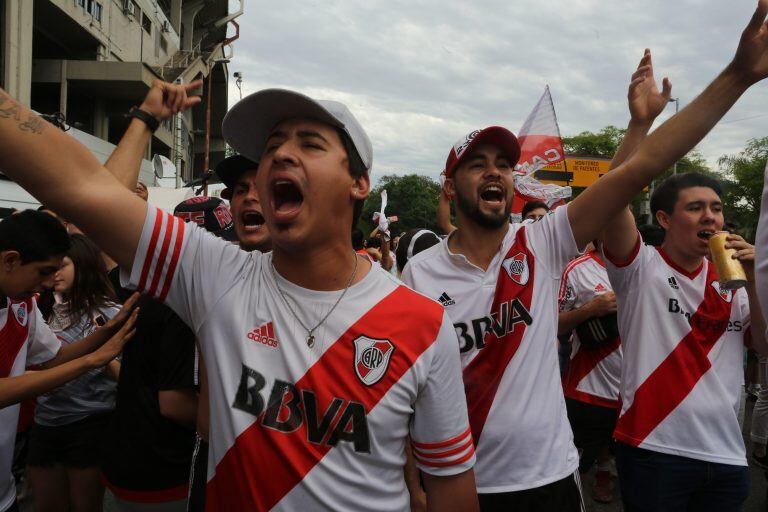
484, 220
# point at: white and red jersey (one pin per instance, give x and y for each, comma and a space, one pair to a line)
593, 373
295, 427
514, 392
25, 340
683, 340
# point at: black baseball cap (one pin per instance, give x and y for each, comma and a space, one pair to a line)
210, 213
229, 169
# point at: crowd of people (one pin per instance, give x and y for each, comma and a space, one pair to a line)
267, 355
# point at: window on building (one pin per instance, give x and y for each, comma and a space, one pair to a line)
136, 10
146, 23
96, 10
80, 3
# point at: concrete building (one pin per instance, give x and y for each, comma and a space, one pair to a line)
91, 60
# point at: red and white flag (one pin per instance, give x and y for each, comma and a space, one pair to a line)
540, 145
540, 142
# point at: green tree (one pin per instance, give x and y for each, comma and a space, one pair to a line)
413, 198
743, 184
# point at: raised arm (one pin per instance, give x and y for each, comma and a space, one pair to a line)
64, 175
591, 212
645, 104
162, 101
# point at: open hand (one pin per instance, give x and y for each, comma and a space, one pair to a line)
114, 345
120, 318
165, 99
645, 100
751, 59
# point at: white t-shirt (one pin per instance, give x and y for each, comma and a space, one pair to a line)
593, 374
683, 341
25, 340
300, 428
526, 440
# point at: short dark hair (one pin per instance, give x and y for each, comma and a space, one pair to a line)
373, 243
356, 170
665, 195
533, 205
36, 236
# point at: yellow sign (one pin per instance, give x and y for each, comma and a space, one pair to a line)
575, 172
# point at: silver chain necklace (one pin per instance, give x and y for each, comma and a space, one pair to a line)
310, 332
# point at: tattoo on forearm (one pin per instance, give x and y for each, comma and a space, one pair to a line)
33, 123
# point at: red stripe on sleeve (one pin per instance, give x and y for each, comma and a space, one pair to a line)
150, 250
442, 455
161, 259
456, 462
180, 231
441, 444
263, 465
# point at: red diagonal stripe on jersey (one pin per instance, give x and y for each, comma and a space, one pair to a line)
668, 385
264, 465
483, 374
12, 337
586, 360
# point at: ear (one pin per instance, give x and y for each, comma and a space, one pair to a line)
9, 260
663, 218
361, 187
449, 188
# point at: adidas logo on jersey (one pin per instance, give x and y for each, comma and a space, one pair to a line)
600, 288
445, 300
673, 283
265, 335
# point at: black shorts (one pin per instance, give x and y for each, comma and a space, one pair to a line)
75, 445
592, 427
560, 496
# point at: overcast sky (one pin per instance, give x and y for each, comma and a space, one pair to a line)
419, 74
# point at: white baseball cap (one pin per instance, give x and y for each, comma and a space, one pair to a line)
249, 122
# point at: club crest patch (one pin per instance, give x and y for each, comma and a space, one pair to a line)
517, 268
21, 313
372, 358
726, 295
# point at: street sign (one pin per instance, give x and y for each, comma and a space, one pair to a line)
575, 172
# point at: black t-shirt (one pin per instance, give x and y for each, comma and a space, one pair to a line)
145, 451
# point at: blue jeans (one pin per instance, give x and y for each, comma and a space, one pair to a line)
657, 482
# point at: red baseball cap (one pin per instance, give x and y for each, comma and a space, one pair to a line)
495, 135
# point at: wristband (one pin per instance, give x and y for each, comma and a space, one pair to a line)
148, 119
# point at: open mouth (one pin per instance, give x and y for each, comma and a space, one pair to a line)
492, 194
705, 234
286, 196
252, 220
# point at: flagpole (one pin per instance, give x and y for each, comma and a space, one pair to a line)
560, 135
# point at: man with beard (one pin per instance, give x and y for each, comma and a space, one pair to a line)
503, 282
321, 364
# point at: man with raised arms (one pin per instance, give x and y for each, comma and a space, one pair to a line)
320, 365
503, 281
